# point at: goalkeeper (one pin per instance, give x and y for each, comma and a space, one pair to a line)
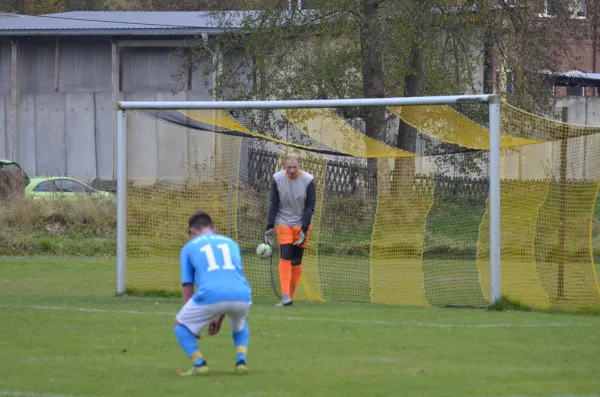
292, 204
214, 263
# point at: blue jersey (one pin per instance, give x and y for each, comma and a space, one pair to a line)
214, 263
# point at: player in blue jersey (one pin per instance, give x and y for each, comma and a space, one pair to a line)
213, 263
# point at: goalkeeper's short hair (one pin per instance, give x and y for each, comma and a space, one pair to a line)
291, 156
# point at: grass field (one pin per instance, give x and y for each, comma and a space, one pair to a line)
64, 334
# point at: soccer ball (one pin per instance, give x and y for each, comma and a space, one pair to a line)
264, 251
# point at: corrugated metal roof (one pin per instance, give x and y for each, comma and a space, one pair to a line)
115, 22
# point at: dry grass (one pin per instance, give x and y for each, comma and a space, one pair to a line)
157, 216
60, 227
12, 184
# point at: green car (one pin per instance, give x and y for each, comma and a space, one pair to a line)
63, 187
9, 165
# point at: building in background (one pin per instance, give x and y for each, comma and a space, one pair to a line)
67, 71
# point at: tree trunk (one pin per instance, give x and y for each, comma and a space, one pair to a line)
373, 82
413, 86
404, 169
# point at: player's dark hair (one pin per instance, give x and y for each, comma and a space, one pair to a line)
199, 220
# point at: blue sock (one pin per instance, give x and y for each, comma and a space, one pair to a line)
240, 341
187, 341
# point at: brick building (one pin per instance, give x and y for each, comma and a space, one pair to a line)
583, 55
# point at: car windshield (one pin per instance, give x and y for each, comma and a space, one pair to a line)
45, 187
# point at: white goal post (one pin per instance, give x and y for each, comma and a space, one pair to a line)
493, 102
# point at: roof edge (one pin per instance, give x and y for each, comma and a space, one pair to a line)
113, 32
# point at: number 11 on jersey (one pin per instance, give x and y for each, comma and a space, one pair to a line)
212, 261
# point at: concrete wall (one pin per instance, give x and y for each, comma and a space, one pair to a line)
72, 134
67, 129
4, 66
162, 151
85, 65
541, 161
584, 152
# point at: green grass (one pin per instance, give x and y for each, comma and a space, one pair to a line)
63, 332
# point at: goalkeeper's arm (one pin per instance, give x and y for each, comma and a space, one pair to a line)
309, 205
273, 206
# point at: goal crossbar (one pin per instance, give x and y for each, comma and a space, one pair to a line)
308, 103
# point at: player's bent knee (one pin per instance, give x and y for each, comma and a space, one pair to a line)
239, 326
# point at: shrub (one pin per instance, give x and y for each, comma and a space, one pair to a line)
69, 227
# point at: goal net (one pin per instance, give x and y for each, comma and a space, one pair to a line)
403, 199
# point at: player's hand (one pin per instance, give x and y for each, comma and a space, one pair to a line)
215, 325
268, 237
301, 238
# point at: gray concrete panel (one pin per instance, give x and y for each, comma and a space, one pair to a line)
149, 69
578, 112
592, 143
27, 138
576, 165
200, 152
5, 66
241, 80
592, 157
201, 144
201, 83
171, 145
142, 160
50, 134
36, 65
593, 111
80, 136
582, 159
85, 65
3, 131
8, 124
104, 136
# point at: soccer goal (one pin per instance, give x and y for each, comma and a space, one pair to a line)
424, 201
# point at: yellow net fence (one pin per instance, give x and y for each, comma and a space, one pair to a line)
404, 225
